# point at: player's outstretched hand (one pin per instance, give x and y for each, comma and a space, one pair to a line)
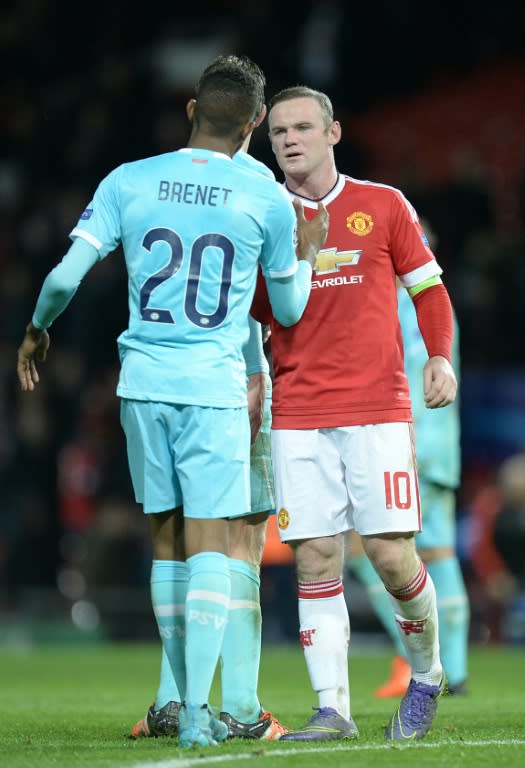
33, 347
439, 382
311, 234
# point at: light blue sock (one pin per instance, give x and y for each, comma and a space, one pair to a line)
454, 615
168, 689
169, 584
241, 646
207, 605
379, 598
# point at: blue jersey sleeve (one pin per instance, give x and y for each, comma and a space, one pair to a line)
61, 284
289, 296
100, 223
253, 351
280, 236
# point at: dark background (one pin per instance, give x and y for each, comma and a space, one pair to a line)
431, 97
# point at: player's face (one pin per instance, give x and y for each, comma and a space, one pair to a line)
300, 140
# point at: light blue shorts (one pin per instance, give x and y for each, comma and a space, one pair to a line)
189, 456
261, 472
438, 510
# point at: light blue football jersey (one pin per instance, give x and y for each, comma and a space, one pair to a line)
437, 431
248, 161
193, 225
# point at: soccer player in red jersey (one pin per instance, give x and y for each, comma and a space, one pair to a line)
342, 440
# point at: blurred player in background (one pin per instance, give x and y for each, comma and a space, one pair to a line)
438, 451
194, 227
342, 446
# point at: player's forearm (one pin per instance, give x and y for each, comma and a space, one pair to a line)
253, 351
54, 297
61, 284
289, 296
435, 320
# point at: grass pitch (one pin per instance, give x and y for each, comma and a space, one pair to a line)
70, 707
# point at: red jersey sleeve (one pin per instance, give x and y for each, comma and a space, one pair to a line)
435, 320
409, 245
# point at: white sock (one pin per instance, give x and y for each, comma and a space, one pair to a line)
417, 619
324, 630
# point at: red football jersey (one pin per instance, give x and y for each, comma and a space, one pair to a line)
342, 363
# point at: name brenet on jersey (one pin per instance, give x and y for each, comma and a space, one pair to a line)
193, 194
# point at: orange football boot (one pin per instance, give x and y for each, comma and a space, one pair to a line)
397, 683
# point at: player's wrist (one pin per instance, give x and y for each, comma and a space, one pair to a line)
440, 356
308, 255
33, 332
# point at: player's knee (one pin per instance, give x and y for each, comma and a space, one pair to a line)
247, 538
318, 559
395, 559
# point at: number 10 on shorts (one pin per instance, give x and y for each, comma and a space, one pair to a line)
397, 490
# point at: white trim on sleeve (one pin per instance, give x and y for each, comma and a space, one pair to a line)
430, 269
77, 232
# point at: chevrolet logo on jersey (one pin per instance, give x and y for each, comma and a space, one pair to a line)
331, 260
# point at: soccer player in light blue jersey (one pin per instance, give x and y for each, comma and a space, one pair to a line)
240, 707
437, 436
194, 227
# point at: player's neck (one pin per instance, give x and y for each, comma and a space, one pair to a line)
313, 186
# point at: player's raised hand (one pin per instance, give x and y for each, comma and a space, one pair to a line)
34, 347
311, 234
439, 382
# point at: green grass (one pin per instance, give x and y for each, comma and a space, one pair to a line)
72, 706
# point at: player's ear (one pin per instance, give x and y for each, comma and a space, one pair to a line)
260, 117
190, 109
248, 129
334, 133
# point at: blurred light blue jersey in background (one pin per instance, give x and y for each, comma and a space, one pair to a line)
437, 430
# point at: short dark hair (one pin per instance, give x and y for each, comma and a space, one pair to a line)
302, 92
229, 93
